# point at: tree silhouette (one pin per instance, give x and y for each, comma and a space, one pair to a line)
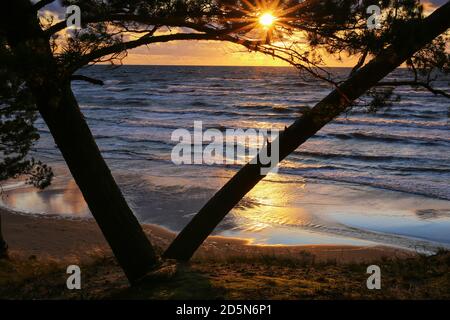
412, 41
17, 132
46, 57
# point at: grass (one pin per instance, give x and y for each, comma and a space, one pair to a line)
265, 277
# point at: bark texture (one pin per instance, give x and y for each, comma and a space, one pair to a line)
3, 245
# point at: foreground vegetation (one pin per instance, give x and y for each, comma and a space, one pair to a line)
268, 277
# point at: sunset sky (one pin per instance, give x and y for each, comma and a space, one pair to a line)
218, 53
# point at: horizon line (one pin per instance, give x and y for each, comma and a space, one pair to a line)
212, 65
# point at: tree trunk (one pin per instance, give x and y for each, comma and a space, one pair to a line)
60, 110
411, 40
104, 198
3, 245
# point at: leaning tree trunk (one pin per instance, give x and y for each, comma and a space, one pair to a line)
104, 198
411, 40
60, 110
3, 245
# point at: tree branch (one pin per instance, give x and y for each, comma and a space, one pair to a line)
173, 22
144, 40
39, 5
360, 63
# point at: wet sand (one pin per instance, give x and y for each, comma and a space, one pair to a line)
80, 240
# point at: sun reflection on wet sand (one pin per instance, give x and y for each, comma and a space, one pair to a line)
275, 198
61, 198
282, 209
288, 210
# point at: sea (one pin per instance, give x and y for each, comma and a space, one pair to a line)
366, 178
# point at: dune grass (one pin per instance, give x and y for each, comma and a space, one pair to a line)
265, 277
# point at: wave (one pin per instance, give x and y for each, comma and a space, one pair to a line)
114, 82
133, 140
439, 125
403, 113
201, 104
301, 154
389, 138
294, 110
118, 89
415, 169
173, 91
432, 190
365, 157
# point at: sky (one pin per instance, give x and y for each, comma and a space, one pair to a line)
217, 52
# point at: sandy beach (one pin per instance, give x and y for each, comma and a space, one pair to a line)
80, 240
42, 246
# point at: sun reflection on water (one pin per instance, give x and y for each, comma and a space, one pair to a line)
270, 203
65, 199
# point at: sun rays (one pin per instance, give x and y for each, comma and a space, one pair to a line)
262, 19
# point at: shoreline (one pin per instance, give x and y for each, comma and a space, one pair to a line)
80, 240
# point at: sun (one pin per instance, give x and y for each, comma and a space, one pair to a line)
270, 18
267, 19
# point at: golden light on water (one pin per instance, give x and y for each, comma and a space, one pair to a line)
267, 19
273, 204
